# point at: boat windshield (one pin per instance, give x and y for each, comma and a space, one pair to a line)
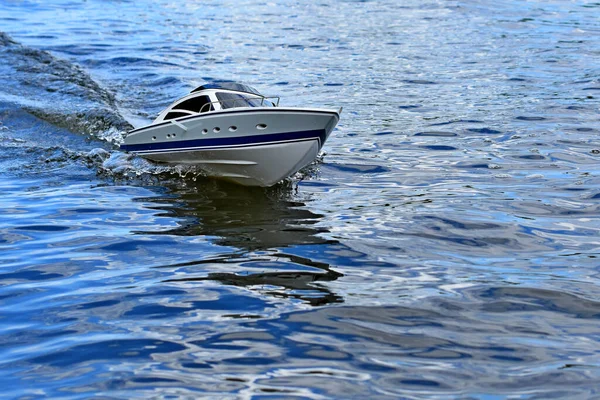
234, 100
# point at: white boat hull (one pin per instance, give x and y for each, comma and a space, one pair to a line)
250, 146
263, 165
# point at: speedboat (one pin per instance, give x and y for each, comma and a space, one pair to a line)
231, 131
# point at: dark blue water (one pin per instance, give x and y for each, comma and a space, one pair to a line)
446, 245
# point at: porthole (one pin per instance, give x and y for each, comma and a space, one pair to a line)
153, 137
232, 128
217, 130
168, 136
261, 126
173, 135
204, 131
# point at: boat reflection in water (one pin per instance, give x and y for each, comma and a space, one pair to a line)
274, 239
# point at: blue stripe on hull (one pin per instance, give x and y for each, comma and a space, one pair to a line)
207, 144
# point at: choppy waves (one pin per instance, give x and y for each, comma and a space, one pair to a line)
57, 91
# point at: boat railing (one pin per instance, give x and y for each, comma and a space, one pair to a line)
231, 103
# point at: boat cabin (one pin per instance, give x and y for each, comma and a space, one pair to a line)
216, 97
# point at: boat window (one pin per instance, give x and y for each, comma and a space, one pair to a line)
195, 104
268, 103
233, 100
175, 114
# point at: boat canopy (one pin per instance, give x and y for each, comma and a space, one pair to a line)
238, 87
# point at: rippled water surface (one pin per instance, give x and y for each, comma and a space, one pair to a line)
445, 245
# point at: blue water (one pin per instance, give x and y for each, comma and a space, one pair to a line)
445, 245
